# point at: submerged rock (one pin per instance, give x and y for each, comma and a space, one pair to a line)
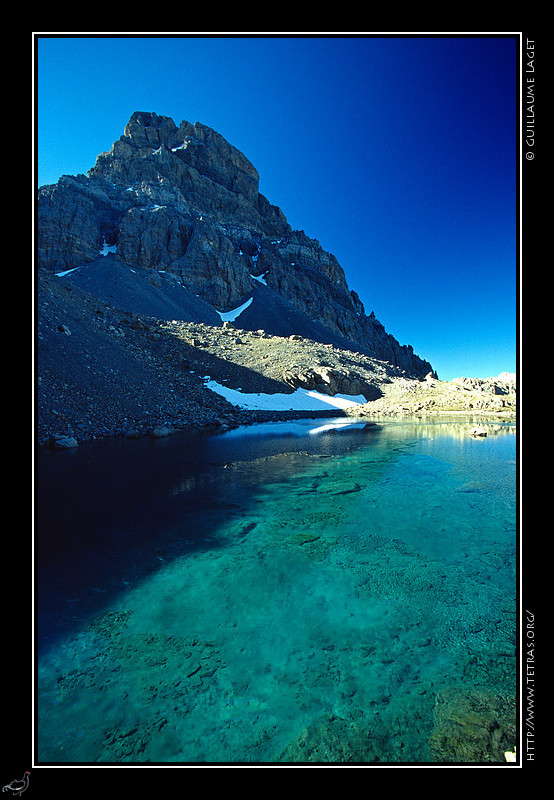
330, 739
473, 726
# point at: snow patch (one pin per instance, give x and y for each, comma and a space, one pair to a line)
230, 316
66, 272
107, 248
260, 278
300, 400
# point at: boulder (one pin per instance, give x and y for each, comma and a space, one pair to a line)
63, 442
477, 430
162, 430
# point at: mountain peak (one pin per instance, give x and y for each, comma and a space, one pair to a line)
183, 200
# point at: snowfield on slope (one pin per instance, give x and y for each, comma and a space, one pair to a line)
300, 400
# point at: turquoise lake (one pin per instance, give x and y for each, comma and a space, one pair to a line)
285, 593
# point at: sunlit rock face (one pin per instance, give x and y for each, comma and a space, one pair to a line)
181, 199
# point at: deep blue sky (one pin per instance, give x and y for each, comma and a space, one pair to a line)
399, 154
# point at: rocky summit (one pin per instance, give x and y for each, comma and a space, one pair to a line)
164, 265
181, 199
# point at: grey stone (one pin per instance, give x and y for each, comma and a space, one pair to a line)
162, 431
64, 443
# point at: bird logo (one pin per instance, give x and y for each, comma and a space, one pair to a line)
17, 787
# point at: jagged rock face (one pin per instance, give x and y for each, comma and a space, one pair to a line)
183, 200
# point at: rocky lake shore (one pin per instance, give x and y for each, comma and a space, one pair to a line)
103, 371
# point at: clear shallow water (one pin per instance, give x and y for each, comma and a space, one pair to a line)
282, 594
